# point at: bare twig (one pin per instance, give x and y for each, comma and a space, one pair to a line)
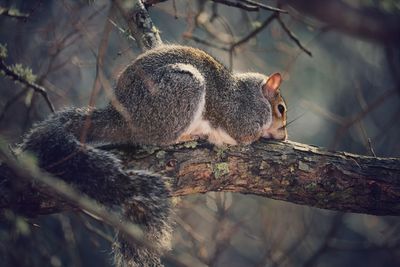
99, 65
371, 148
264, 6
293, 37
356, 118
204, 42
247, 5
255, 31
238, 5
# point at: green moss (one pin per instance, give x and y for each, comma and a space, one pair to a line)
149, 149
311, 186
221, 151
160, 154
16, 13
3, 51
22, 226
221, 169
24, 72
190, 144
155, 30
303, 166
346, 194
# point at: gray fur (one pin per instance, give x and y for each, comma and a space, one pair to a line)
157, 97
234, 103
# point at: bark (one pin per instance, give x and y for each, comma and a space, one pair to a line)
140, 24
287, 171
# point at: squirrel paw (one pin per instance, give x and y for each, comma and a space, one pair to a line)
187, 137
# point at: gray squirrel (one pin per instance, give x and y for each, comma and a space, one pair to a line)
167, 95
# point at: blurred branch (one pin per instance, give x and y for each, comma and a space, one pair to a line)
324, 247
9, 72
13, 13
247, 5
264, 6
255, 31
348, 122
345, 123
237, 4
287, 171
188, 35
373, 24
11, 101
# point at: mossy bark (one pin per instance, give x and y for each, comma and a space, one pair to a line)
287, 171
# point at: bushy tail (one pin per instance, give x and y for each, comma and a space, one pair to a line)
55, 143
152, 210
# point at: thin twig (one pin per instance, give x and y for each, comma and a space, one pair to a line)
204, 42
371, 148
238, 5
99, 65
264, 6
293, 37
175, 9
121, 30
98, 232
255, 32
356, 118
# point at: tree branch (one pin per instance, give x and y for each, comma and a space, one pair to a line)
373, 24
13, 13
140, 24
9, 72
293, 37
287, 171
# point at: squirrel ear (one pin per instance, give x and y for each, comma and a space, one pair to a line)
272, 84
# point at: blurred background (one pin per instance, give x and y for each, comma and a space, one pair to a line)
341, 85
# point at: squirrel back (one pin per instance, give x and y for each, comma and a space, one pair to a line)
167, 95
182, 82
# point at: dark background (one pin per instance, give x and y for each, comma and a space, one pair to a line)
344, 95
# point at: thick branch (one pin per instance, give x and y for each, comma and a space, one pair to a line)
286, 171
140, 24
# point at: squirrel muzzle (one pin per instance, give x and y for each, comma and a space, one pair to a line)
277, 131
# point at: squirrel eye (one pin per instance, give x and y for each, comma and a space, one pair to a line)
281, 108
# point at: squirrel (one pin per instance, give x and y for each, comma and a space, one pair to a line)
167, 95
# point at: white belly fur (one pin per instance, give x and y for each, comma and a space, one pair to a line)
202, 128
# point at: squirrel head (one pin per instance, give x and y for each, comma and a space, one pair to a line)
270, 89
